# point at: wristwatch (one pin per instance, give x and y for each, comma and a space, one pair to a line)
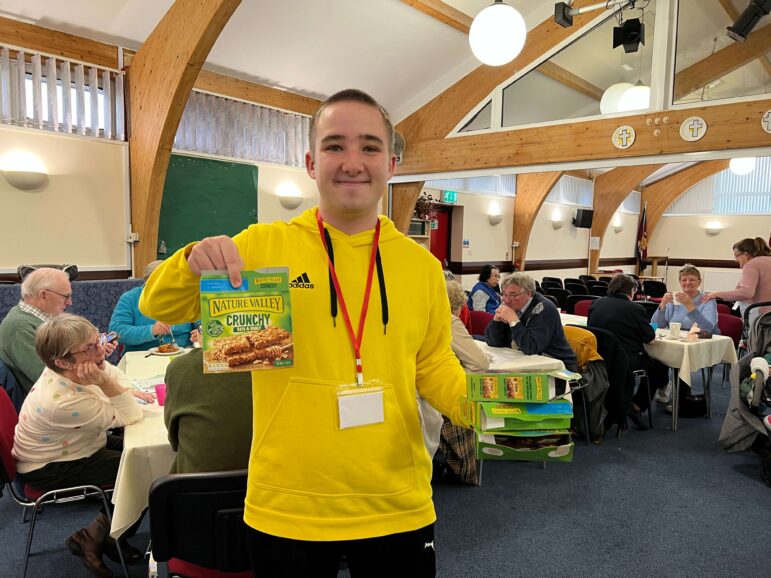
513, 323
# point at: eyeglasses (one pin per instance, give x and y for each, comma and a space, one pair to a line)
90, 348
512, 295
65, 296
737, 255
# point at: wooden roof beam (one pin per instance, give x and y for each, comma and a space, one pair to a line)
733, 14
722, 62
532, 190
444, 13
161, 77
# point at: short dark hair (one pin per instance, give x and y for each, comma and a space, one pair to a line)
351, 95
486, 272
621, 285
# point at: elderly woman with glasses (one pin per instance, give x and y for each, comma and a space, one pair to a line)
530, 322
484, 295
61, 439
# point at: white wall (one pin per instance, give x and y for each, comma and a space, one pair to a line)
80, 216
269, 177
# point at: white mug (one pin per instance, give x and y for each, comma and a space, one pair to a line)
675, 301
674, 330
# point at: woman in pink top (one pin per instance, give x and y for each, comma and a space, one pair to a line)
754, 258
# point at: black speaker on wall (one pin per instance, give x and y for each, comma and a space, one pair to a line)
583, 219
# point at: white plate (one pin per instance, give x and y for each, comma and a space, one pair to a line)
154, 351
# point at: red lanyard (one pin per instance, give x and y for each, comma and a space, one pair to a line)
356, 340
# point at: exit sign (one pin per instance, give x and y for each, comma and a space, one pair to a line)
449, 196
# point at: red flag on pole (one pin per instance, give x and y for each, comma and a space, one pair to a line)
642, 239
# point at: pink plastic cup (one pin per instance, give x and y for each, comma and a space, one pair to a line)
160, 393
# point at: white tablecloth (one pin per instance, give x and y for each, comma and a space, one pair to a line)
688, 356
505, 359
147, 454
570, 319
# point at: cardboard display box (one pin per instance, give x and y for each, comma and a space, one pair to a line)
488, 417
531, 446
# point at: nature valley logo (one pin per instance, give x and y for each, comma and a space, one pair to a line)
267, 281
225, 305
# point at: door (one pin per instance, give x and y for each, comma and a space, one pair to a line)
440, 234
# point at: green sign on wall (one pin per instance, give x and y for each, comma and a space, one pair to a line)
449, 196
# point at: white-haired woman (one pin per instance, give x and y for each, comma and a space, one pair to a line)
61, 439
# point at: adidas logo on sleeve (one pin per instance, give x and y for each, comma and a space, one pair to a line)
302, 282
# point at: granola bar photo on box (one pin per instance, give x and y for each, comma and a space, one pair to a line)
248, 328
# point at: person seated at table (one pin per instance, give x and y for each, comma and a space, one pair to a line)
629, 322
208, 416
45, 293
140, 333
61, 439
685, 307
530, 322
456, 459
484, 296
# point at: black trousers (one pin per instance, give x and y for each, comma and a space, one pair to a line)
658, 376
407, 555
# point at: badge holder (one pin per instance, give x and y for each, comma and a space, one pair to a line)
359, 405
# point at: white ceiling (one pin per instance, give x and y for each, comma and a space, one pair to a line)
398, 54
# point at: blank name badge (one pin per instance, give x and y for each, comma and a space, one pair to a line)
357, 406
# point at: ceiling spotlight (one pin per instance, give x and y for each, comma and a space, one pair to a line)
629, 35
747, 20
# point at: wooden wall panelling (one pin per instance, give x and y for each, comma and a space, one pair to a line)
57, 43
664, 192
160, 79
436, 119
610, 190
403, 197
532, 190
731, 127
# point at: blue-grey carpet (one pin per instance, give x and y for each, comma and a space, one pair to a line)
652, 503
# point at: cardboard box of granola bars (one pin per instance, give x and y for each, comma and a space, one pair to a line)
529, 446
491, 417
530, 387
248, 328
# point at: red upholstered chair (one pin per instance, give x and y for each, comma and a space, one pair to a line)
479, 322
32, 498
723, 309
465, 317
582, 307
729, 326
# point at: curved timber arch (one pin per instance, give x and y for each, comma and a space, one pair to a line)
610, 190
532, 190
161, 76
663, 193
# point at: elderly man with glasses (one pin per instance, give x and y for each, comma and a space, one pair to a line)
45, 293
529, 322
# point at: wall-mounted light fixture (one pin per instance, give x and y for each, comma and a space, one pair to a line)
713, 228
742, 165
289, 195
556, 219
494, 213
618, 225
23, 170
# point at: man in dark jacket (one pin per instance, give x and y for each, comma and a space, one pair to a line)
631, 325
529, 322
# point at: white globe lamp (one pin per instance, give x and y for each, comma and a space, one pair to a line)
742, 166
635, 98
497, 34
610, 98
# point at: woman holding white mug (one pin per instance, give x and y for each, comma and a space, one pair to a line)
684, 308
687, 306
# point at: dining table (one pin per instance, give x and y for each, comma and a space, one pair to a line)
147, 454
686, 355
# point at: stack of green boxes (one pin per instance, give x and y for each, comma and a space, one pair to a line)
514, 418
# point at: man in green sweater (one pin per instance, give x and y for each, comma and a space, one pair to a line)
209, 417
45, 293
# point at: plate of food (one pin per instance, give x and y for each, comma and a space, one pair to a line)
166, 349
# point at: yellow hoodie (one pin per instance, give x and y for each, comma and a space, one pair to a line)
309, 480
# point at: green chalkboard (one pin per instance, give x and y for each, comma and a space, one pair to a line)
205, 197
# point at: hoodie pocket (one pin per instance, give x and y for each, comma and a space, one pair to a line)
303, 451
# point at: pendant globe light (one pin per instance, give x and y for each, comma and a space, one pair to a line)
637, 97
497, 34
742, 166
